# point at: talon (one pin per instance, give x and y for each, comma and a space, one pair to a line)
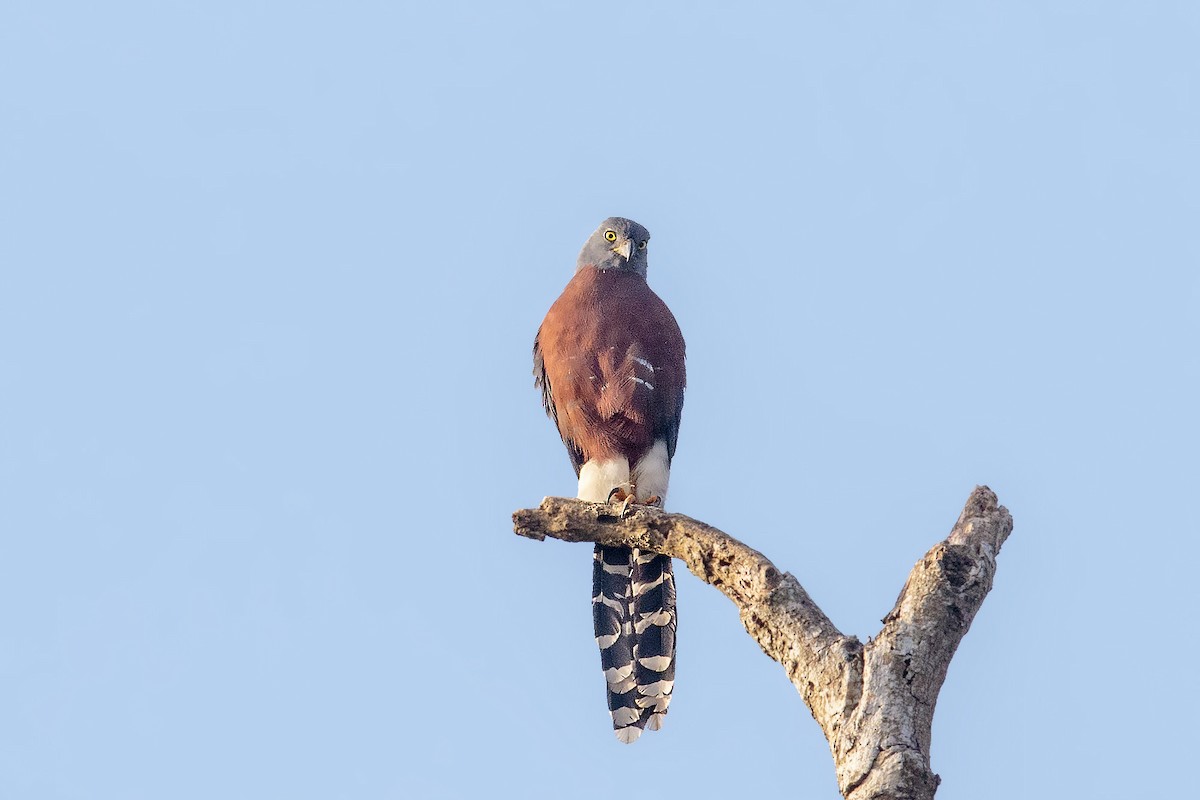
653, 500
619, 495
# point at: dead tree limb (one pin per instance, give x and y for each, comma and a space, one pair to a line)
874, 702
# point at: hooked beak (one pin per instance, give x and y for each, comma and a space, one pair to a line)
624, 249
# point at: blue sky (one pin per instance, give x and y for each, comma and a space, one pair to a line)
269, 277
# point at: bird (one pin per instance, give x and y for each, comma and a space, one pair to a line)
609, 359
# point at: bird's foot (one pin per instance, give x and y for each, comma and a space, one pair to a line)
653, 500
619, 495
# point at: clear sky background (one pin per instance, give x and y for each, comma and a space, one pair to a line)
269, 278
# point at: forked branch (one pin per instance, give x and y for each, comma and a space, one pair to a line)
874, 702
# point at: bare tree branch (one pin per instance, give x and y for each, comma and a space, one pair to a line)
875, 703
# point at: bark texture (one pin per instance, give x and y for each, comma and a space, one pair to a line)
874, 702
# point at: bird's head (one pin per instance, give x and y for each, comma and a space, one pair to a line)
618, 243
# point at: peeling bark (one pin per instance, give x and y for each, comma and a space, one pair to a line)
874, 702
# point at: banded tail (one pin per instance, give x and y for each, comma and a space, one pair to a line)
633, 611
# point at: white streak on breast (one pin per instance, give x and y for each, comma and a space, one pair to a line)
644, 363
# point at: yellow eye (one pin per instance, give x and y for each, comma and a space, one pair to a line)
610, 235
642, 244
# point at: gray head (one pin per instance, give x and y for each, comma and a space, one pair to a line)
618, 243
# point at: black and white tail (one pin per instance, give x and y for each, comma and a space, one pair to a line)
654, 619
633, 610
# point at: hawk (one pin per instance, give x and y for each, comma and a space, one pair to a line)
609, 359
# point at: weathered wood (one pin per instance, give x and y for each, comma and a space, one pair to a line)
874, 702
